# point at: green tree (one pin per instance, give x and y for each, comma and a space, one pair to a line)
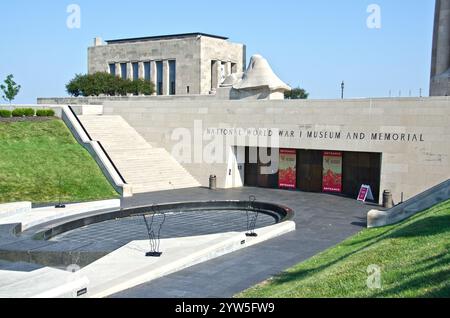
296, 93
143, 87
74, 86
10, 89
107, 84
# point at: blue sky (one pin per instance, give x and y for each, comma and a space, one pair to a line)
314, 44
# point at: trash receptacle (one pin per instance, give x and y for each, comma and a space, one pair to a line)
212, 182
388, 203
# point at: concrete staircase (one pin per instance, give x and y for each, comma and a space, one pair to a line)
145, 168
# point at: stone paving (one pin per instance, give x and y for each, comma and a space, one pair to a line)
322, 222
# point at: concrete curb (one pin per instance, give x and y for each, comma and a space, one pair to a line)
419, 203
211, 247
270, 232
42, 283
38, 216
13, 209
181, 253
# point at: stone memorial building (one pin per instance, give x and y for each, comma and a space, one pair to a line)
180, 64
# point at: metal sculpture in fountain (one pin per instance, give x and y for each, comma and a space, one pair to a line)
154, 227
252, 217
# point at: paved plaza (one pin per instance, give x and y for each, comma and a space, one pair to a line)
322, 222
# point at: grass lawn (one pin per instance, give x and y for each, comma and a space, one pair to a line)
414, 258
34, 154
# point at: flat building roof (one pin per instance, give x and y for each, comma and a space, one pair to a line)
165, 37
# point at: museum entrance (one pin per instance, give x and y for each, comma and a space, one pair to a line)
313, 170
309, 170
361, 168
259, 172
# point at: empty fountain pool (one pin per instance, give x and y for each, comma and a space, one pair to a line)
83, 239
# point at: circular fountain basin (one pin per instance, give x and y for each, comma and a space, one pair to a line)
85, 238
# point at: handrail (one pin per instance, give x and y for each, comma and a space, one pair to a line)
112, 162
99, 143
79, 122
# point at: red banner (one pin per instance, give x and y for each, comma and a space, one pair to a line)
332, 171
287, 169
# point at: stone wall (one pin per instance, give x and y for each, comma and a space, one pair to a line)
218, 50
185, 51
193, 57
415, 158
99, 100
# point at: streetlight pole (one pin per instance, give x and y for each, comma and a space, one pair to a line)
342, 89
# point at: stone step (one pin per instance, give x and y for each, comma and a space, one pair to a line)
163, 177
154, 160
143, 162
157, 186
108, 129
144, 174
147, 182
138, 190
145, 168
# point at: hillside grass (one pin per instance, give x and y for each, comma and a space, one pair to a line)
414, 258
33, 157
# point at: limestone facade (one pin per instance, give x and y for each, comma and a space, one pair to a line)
200, 60
411, 134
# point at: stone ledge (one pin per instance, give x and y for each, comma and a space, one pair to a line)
11, 209
419, 203
41, 283
127, 267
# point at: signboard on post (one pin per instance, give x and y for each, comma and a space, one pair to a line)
332, 171
365, 193
287, 169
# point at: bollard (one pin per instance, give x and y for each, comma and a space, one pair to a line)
212, 182
388, 203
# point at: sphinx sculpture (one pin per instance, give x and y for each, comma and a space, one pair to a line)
258, 82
